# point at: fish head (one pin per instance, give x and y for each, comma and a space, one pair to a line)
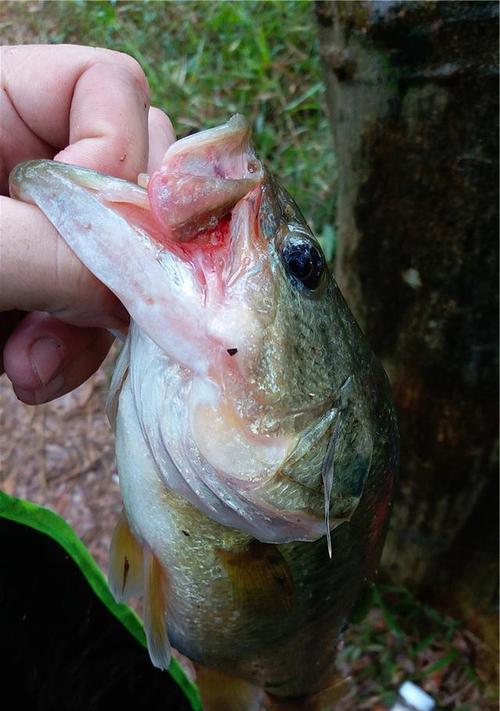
220, 272
256, 277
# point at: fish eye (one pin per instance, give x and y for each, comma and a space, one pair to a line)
304, 262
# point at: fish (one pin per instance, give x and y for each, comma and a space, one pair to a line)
256, 440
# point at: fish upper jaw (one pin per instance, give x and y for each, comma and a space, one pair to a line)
202, 177
206, 199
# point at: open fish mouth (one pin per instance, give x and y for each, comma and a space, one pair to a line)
173, 250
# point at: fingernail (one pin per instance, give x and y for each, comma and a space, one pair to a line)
46, 356
42, 394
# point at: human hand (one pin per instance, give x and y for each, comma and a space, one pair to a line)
79, 105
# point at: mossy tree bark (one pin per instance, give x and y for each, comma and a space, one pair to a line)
413, 99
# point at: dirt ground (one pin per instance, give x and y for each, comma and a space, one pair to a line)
61, 455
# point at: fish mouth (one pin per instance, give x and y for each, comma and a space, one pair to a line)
205, 198
170, 251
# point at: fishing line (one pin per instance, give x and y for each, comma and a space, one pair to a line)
327, 473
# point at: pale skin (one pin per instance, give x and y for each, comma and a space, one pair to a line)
89, 107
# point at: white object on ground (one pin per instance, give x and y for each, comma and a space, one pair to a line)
414, 698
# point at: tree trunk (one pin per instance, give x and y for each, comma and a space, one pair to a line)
413, 100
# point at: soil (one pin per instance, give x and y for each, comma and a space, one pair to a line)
61, 455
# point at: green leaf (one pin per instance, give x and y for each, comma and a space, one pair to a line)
50, 524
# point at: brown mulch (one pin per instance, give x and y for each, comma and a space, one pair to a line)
61, 455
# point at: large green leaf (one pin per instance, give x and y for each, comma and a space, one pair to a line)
49, 523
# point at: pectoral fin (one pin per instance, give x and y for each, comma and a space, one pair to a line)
155, 584
125, 562
261, 579
135, 570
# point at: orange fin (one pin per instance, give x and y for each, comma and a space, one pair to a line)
125, 562
155, 626
261, 579
221, 692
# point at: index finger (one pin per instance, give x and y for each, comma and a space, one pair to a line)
92, 103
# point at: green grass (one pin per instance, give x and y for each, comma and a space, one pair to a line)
208, 60
401, 638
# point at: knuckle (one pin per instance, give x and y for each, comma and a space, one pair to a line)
126, 63
133, 67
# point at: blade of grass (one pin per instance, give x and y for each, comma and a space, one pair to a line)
389, 617
440, 664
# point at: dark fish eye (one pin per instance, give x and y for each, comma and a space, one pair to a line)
304, 262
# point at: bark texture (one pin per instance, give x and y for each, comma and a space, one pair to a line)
413, 99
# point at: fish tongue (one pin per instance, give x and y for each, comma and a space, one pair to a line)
201, 179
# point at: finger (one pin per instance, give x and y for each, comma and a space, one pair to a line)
161, 136
22, 144
9, 321
96, 100
41, 273
45, 358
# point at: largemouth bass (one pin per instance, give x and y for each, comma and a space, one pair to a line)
255, 437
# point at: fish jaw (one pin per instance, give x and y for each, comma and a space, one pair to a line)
108, 224
202, 177
123, 234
